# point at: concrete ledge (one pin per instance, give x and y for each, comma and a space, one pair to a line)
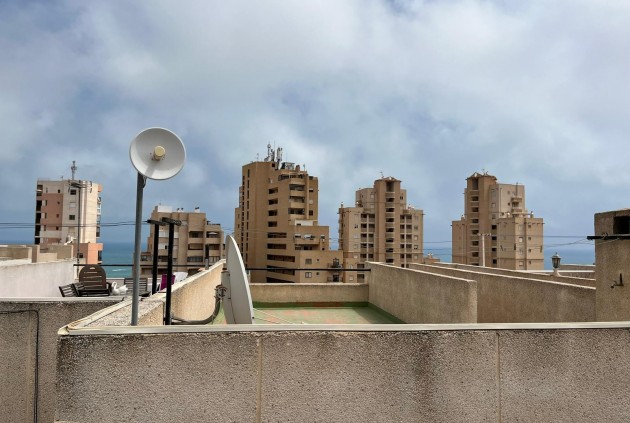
455, 373
313, 293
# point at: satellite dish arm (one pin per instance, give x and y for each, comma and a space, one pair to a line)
218, 297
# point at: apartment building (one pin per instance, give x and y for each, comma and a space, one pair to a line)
276, 227
381, 227
195, 242
68, 212
496, 230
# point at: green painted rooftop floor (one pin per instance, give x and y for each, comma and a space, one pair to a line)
317, 315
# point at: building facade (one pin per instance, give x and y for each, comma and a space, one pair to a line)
496, 230
196, 242
381, 227
68, 212
276, 227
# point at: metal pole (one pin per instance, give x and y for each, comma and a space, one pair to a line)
169, 268
483, 250
135, 297
79, 227
156, 240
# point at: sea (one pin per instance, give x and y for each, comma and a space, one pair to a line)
118, 259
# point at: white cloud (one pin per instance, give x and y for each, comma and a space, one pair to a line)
428, 92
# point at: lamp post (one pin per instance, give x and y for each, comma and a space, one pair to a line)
555, 262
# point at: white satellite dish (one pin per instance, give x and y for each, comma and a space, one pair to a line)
157, 153
237, 304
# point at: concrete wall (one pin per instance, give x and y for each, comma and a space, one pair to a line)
505, 299
403, 373
309, 293
421, 297
191, 299
565, 277
28, 352
612, 259
29, 280
16, 252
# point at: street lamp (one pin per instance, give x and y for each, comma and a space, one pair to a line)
555, 262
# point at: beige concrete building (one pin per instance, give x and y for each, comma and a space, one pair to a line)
276, 227
69, 212
496, 230
196, 241
381, 227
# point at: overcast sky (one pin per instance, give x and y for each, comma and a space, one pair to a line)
428, 92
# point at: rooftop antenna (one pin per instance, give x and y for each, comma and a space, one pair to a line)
156, 153
382, 176
73, 168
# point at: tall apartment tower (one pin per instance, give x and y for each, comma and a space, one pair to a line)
276, 227
195, 242
381, 227
496, 229
69, 212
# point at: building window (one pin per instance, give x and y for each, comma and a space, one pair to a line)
308, 261
71, 217
73, 192
308, 274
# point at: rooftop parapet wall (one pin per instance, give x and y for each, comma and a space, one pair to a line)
16, 252
307, 373
506, 299
191, 299
420, 297
28, 280
328, 293
585, 279
28, 348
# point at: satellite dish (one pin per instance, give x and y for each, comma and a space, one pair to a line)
157, 153
238, 301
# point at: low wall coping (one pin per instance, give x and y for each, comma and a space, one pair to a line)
123, 330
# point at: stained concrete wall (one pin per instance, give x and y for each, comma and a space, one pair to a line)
28, 352
420, 297
31, 280
505, 299
309, 293
333, 373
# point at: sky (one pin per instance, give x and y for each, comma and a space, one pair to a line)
428, 92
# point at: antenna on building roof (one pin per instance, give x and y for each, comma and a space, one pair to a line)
73, 168
279, 155
155, 153
382, 176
